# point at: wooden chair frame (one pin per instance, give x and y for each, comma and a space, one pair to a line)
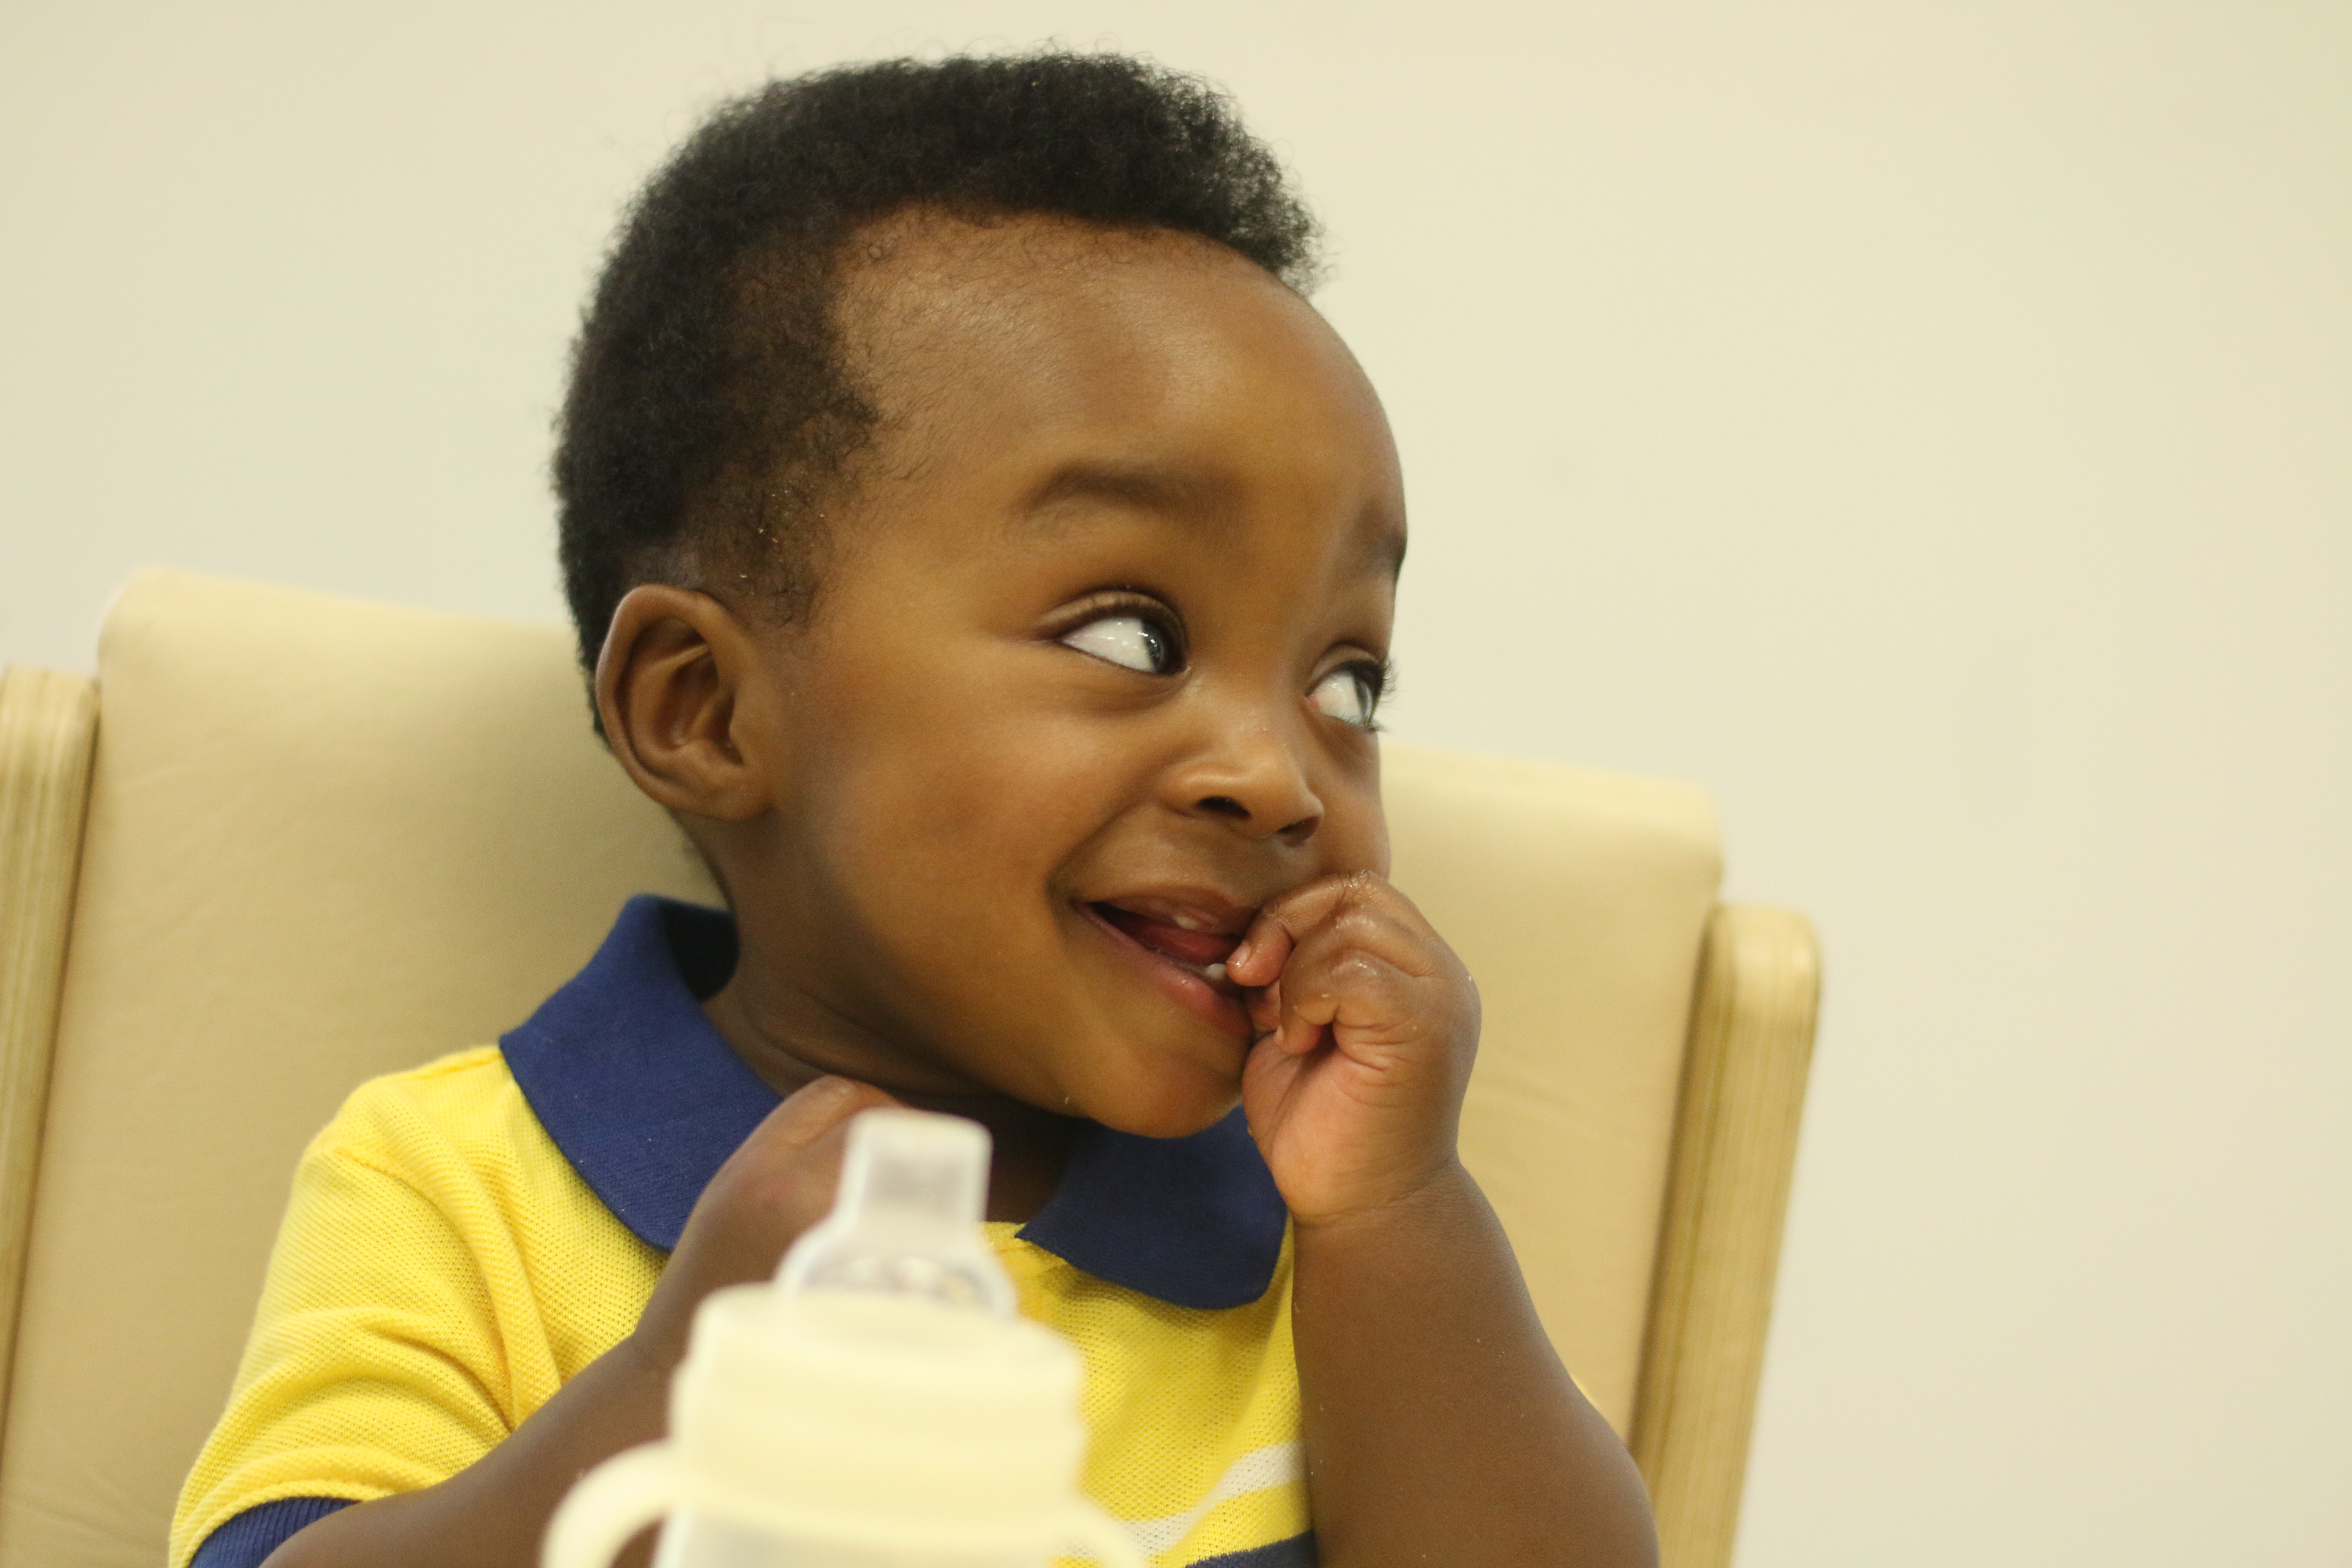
1751, 1034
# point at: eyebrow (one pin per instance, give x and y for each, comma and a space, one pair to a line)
1386, 547
1150, 488
1146, 486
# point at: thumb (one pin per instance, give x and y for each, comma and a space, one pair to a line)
818, 1110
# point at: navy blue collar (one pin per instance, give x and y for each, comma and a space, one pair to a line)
647, 1101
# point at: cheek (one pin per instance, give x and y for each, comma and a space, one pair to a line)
1356, 830
955, 836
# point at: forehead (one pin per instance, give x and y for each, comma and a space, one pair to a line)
1079, 365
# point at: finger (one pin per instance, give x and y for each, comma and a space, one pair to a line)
1365, 899
1264, 1006
1284, 921
1289, 1033
1258, 961
815, 1110
1358, 997
1278, 928
1318, 961
1271, 953
792, 1161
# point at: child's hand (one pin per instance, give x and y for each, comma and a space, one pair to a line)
780, 1183
1367, 1023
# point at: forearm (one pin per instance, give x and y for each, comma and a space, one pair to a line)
1439, 1425
493, 1515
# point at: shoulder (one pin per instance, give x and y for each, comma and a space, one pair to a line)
452, 1094
463, 1110
443, 1173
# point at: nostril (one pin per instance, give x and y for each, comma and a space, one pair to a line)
1224, 805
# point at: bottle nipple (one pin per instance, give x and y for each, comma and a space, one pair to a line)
906, 1219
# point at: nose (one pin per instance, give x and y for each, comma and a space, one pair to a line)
1254, 779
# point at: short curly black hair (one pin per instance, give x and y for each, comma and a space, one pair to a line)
710, 407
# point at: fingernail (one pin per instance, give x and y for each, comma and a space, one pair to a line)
824, 1097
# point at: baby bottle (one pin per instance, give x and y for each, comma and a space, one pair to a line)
878, 1405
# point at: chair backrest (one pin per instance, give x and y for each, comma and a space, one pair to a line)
327, 839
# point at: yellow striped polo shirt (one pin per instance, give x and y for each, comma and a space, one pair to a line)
464, 1238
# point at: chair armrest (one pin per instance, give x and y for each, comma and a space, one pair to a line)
1743, 1090
48, 725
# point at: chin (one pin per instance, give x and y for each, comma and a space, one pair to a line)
1171, 1102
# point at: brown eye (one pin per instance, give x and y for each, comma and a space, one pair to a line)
1129, 641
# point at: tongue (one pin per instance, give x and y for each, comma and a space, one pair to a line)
1192, 947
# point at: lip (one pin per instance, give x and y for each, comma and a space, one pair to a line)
1188, 988
1198, 908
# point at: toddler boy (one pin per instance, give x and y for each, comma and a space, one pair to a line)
984, 551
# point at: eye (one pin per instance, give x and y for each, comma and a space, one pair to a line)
1129, 641
1350, 694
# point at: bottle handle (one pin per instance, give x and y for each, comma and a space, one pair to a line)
634, 1488
610, 1504
1103, 1538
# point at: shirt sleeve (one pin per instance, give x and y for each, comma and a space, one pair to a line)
247, 1540
376, 1363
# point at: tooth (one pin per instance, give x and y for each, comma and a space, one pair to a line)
1216, 973
1189, 923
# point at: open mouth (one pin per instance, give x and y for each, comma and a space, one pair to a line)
1183, 951
1177, 936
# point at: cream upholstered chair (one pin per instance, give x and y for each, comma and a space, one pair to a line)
327, 839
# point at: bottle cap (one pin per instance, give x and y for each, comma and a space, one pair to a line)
906, 1219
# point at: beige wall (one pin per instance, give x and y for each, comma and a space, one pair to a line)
1924, 425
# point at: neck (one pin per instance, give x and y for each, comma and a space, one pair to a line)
1030, 1145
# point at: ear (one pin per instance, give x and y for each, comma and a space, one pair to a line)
667, 688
